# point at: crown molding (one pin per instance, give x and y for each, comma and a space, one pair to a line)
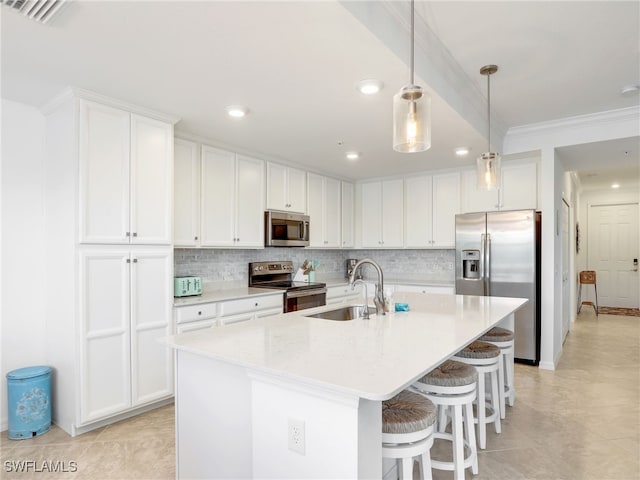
75, 92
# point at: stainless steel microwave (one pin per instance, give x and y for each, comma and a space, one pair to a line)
283, 229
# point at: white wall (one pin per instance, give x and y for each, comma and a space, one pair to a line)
23, 315
546, 137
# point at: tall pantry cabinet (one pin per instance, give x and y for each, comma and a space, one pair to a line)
108, 230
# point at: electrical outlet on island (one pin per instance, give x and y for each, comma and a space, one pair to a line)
296, 436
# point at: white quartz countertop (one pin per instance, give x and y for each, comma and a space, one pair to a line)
373, 359
219, 295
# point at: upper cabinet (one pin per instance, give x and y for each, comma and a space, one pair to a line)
324, 209
431, 203
286, 188
125, 177
232, 202
348, 218
186, 194
382, 214
518, 189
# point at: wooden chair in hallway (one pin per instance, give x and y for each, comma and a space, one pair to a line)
587, 277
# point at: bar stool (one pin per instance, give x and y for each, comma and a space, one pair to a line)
452, 388
588, 277
485, 358
504, 340
407, 432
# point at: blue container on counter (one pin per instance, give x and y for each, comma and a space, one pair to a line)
29, 402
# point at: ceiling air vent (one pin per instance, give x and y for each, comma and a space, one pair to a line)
41, 11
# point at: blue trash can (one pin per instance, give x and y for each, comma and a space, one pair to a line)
29, 402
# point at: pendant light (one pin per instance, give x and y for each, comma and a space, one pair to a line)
488, 163
411, 112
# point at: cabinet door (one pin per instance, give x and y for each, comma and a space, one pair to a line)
332, 206
347, 230
297, 190
186, 194
105, 374
249, 202
371, 214
392, 214
418, 212
446, 205
474, 199
316, 209
519, 186
151, 319
276, 187
218, 197
104, 174
151, 181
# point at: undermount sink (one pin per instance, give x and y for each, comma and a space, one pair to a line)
343, 313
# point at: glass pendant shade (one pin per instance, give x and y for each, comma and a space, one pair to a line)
488, 171
411, 120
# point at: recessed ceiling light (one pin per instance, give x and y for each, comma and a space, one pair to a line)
462, 151
629, 90
615, 185
369, 86
236, 111
352, 155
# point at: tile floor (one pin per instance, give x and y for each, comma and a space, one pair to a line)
579, 422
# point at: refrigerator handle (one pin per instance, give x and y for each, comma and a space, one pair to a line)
487, 267
483, 271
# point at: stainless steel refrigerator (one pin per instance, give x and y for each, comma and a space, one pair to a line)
498, 254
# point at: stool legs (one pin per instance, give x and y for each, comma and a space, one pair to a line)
510, 374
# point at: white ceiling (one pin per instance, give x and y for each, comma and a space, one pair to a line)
294, 65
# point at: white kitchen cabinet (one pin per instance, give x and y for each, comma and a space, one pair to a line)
186, 194
232, 191
343, 294
444, 289
232, 311
519, 186
431, 204
125, 298
109, 171
347, 214
125, 165
286, 188
382, 214
324, 208
518, 189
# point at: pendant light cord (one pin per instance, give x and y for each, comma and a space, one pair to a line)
489, 111
412, 38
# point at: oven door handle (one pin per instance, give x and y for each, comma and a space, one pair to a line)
306, 293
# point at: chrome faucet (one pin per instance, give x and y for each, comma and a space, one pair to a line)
378, 298
365, 306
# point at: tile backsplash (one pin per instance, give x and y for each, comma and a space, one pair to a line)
228, 266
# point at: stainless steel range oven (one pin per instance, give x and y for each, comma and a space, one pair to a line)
278, 275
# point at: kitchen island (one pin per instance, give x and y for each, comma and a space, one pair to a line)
241, 388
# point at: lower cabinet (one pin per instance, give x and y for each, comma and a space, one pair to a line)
343, 294
444, 289
123, 313
206, 315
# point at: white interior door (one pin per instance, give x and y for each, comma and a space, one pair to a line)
613, 246
566, 252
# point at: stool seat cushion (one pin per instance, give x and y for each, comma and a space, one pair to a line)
407, 412
479, 350
451, 374
497, 334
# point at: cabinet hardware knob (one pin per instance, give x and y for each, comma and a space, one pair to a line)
128, 260
195, 238
199, 313
128, 234
135, 260
256, 304
135, 234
